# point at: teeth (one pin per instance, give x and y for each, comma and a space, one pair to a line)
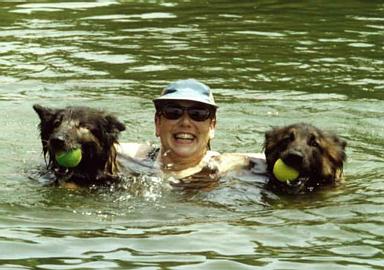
184, 136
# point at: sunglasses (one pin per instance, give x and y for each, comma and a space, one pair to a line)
173, 112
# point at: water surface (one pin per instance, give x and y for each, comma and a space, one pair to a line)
269, 63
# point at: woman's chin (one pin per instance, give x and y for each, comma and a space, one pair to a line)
185, 151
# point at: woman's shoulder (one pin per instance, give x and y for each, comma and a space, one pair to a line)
230, 162
135, 150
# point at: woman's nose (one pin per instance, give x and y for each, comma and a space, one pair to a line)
185, 119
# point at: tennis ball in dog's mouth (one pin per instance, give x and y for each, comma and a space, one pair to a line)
283, 172
69, 159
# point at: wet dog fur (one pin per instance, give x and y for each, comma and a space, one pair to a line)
94, 131
317, 155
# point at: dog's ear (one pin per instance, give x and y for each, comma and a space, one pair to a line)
336, 140
114, 125
44, 113
342, 143
269, 136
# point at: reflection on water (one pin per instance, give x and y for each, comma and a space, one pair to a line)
269, 62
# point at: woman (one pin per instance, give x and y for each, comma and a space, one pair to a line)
185, 122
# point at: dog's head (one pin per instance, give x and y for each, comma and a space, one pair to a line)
317, 155
92, 130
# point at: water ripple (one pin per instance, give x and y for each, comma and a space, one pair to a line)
61, 6
269, 63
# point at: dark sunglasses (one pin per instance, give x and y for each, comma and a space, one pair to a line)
173, 112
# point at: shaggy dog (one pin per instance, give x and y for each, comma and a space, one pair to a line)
94, 131
316, 154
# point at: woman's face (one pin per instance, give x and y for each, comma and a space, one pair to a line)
184, 138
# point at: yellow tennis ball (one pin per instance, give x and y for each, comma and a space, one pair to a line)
283, 172
69, 159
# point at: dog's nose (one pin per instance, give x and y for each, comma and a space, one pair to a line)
294, 158
57, 142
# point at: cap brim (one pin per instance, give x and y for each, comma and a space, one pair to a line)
162, 99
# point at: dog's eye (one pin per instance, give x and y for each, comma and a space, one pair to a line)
313, 142
56, 123
290, 137
92, 129
286, 139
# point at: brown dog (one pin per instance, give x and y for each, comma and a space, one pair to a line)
94, 132
317, 155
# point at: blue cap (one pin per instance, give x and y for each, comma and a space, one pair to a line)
189, 89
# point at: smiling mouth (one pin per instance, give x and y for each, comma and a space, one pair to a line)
184, 137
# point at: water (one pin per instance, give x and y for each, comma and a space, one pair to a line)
269, 63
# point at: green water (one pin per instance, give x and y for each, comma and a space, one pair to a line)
268, 62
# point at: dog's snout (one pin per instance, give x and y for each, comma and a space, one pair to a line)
294, 158
57, 142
